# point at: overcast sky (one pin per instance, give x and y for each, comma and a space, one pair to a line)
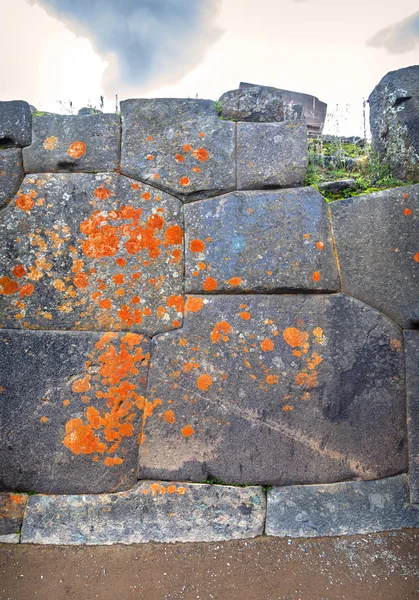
79, 50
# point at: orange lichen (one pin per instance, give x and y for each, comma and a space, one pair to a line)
204, 382
7, 285
245, 315
176, 302
287, 408
26, 290
308, 380
135, 186
50, 142
316, 276
81, 280
294, 337
188, 430
416, 257
77, 149
174, 235
197, 246
267, 345
319, 245
221, 331
194, 304
185, 181
235, 281
102, 193
187, 147
146, 196
210, 284
25, 202
201, 154
81, 385
179, 157
19, 271
44, 419
272, 379
169, 416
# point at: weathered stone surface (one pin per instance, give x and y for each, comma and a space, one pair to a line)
12, 509
180, 146
271, 155
337, 186
70, 143
71, 408
260, 241
377, 240
15, 123
97, 252
151, 512
11, 538
394, 121
257, 104
411, 341
277, 390
341, 508
11, 173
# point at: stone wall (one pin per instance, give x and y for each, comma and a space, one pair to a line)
194, 345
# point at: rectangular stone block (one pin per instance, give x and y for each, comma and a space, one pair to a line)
271, 155
12, 509
15, 123
11, 538
411, 342
11, 173
348, 508
273, 241
153, 511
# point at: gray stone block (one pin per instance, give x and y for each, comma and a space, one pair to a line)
11, 174
337, 186
266, 389
71, 409
12, 509
377, 241
70, 143
15, 123
411, 341
99, 252
151, 512
348, 508
257, 104
12, 538
271, 155
260, 241
180, 146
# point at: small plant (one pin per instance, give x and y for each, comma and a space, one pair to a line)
219, 106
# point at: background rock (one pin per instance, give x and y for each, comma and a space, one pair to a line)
257, 104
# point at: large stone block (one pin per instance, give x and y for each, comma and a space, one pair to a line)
71, 408
69, 143
11, 174
377, 240
257, 104
180, 146
271, 155
276, 390
347, 508
97, 252
12, 509
15, 123
151, 512
260, 241
411, 341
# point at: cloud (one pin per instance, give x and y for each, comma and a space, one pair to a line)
147, 43
398, 38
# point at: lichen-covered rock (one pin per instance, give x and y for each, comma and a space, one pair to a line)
377, 240
15, 123
271, 155
347, 508
70, 143
411, 340
154, 511
11, 173
394, 122
180, 146
71, 408
276, 390
260, 241
257, 104
99, 252
12, 509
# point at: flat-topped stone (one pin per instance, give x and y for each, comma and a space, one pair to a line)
154, 511
265, 389
71, 408
11, 538
271, 155
178, 145
347, 508
11, 174
74, 143
260, 241
411, 341
12, 509
257, 104
377, 240
84, 251
15, 123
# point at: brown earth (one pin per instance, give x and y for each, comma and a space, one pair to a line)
367, 567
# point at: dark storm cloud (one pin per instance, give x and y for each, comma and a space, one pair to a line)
147, 42
398, 38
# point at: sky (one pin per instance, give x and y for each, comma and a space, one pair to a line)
78, 50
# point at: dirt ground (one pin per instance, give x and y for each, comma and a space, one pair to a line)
368, 567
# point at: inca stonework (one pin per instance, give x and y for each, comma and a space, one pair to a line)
180, 316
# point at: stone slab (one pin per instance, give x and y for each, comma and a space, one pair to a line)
178, 145
74, 143
268, 389
346, 508
260, 241
12, 509
377, 241
411, 341
12, 538
271, 155
256, 104
15, 123
153, 511
98, 252
11, 174
71, 408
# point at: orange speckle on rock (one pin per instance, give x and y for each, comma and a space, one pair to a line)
25, 202
294, 337
188, 430
110, 461
201, 134
176, 302
416, 257
235, 281
407, 211
135, 186
316, 276
146, 196
201, 154
19, 271
204, 382
150, 157
179, 157
185, 181
174, 235
287, 408
81, 280
405, 196
7, 285
50, 142
156, 176
196, 169
197, 246
319, 245
210, 284
44, 419
81, 385
267, 345
221, 331
105, 304
187, 147
245, 315
149, 138
102, 193
77, 149
169, 416
272, 379
26, 290
194, 304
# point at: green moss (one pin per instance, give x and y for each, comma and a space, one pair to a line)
38, 113
219, 106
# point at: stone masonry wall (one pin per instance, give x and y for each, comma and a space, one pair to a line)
193, 345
